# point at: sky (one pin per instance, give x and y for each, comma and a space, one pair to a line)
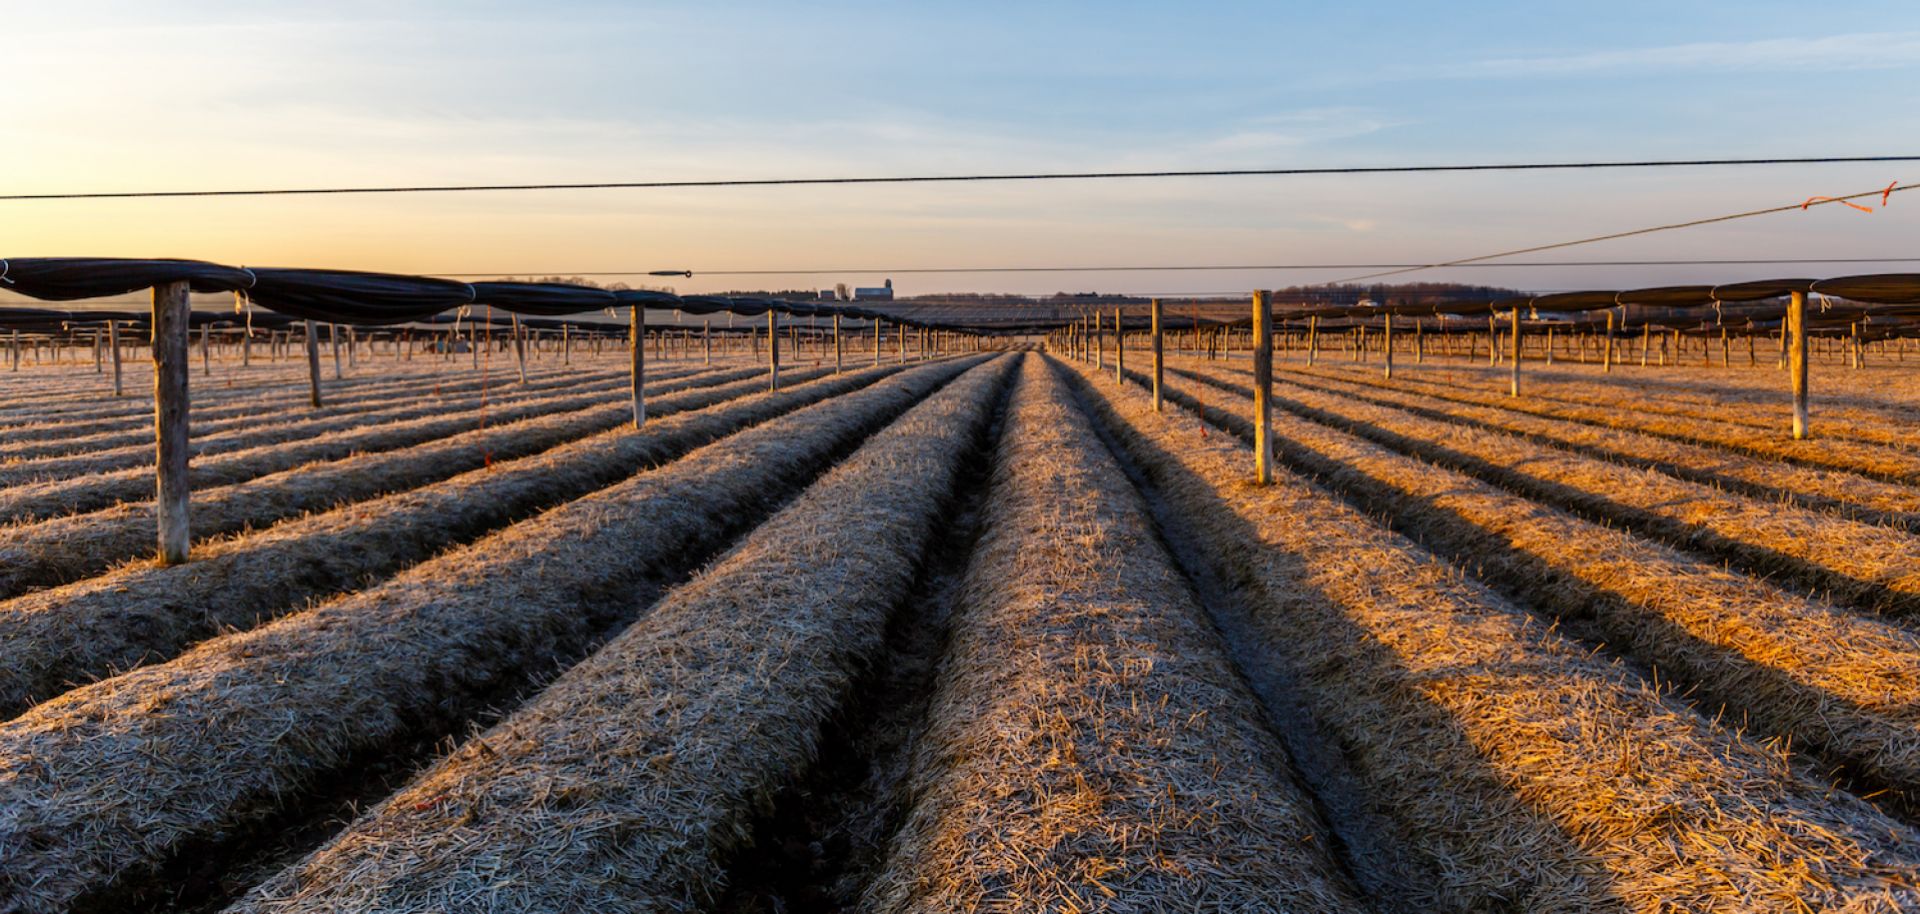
213, 95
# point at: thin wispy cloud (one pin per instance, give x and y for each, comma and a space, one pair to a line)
1858, 51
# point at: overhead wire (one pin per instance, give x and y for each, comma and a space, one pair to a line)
965, 178
1881, 192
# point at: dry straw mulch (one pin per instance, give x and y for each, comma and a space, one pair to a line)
1836, 491
110, 779
1893, 463
1843, 685
64, 549
93, 491
627, 783
1521, 771
286, 426
1858, 563
144, 613
1091, 747
216, 421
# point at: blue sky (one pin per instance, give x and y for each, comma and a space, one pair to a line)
214, 94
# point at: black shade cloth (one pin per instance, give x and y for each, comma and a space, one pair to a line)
76, 278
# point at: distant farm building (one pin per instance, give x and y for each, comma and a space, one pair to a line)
879, 293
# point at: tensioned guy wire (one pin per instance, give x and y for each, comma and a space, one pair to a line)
1884, 193
963, 178
1172, 268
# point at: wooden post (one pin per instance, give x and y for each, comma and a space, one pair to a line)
1646, 342
1606, 350
1513, 385
313, 365
876, 342
1262, 390
1726, 349
519, 347
1313, 339
206, 350
113, 344
773, 349
333, 337
1796, 330
566, 344
637, 346
1419, 341
1099, 343
706, 340
1549, 345
1159, 357
1119, 349
900, 330
1493, 341
1386, 345
171, 312
99, 353
839, 347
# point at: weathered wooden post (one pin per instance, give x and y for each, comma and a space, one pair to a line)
1419, 341
519, 347
1313, 338
1796, 330
566, 344
1262, 390
773, 349
171, 313
1099, 343
876, 342
1493, 340
333, 337
839, 347
637, 344
113, 345
900, 331
1159, 357
313, 364
1606, 348
99, 352
1119, 349
1513, 384
1386, 345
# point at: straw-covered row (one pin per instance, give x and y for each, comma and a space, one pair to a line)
64, 549
1835, 491
1697, 398
72, 400
106, 782
1519, 771
1834, 682
94, 491
1091, 747
627, 784
216, 421
1857, 563
144, 613
267, 430
1886, 462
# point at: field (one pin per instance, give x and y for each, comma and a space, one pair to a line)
972, 631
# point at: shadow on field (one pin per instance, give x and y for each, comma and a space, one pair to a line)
1365, 783
1596, 614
